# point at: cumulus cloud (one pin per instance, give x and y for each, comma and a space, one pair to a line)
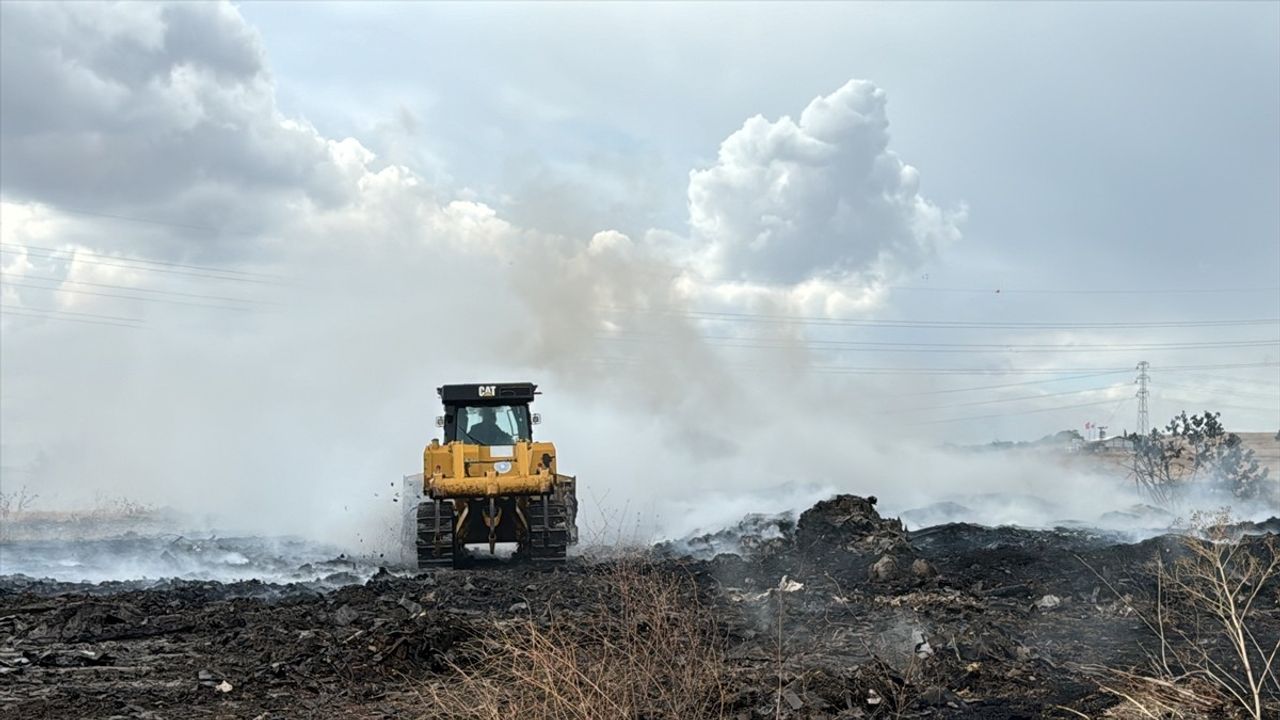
824, 197
164, 111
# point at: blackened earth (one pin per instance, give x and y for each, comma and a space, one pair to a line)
952, 621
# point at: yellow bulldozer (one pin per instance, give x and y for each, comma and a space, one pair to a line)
489, 482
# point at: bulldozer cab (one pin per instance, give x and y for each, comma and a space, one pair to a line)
488, 415
488, 482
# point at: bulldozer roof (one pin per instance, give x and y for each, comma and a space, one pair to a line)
486, 394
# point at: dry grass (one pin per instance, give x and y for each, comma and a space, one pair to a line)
1144, 696
1214, 593
646, 648
1207, 618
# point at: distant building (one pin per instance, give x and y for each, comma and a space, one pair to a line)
1118, 442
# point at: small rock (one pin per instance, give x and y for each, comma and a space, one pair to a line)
922, 568
886, 568
223, 687
1048, 602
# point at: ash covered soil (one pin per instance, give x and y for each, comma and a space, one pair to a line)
838, 613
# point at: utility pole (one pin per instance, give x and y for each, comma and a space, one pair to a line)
1144, 421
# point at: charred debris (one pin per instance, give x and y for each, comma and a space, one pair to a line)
836, 613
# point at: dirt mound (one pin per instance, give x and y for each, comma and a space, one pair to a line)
844, 535
850, 523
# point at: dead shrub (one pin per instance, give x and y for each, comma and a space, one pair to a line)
647, 648
1215, 619
1143, 695
1197, 451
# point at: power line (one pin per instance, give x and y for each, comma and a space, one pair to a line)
1005, 400
162, 223
1019, 412
184, 273
957, 324
124, 297
1112, 415
893, 370
1216, 391
22, 276
837, 369
1219, 378
1081, 291
1188, 403
16, 313
872, 286
1009, 385
877, 346
72, 312
145, 261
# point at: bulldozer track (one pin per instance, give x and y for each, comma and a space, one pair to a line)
435, 534
549, 532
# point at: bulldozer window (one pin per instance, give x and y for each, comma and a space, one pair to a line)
492, 424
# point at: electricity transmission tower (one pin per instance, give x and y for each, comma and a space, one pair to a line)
1144, 421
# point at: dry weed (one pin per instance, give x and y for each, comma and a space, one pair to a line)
645, 649
1208, 618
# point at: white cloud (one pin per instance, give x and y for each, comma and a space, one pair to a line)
160, 111
788, 202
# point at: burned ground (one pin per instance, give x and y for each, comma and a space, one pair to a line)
837, 613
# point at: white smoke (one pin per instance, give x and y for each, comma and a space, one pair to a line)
300, 409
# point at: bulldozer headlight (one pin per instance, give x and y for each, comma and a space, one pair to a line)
502, 467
